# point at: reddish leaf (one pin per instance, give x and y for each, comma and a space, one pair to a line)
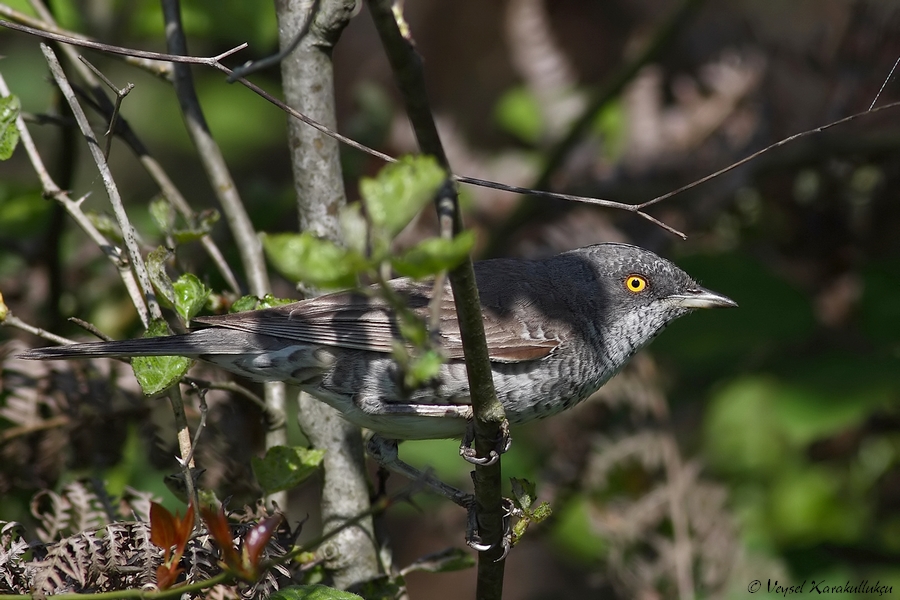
183, 529
162, 528
256, 539
166, 576
218, 528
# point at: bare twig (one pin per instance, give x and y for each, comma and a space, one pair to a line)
14, 321
884, 83
757, 154
73, 207
147, 307
120, 95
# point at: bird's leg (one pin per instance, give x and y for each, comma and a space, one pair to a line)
384, 452
468, 452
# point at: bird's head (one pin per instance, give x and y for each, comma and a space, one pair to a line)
644, 293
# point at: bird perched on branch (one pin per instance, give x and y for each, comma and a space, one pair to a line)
557, 329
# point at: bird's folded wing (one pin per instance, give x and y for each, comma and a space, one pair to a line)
355, 321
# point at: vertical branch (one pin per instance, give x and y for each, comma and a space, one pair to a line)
489, 416
248, 244
308, 81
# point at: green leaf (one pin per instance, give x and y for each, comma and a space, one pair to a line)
268, 301
434, 255
354, 228
285, 467
423, 368
156, 270
9, 133
399, 192
312, 592
244, 303
201, 225
518, 113
304, 257
105, 225
190, 296
163, 214
412, 327
156, 374
524, 492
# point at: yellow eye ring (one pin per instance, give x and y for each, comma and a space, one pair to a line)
635, 284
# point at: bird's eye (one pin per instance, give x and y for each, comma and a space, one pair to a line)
635, 283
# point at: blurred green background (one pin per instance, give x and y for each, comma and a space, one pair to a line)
785, 412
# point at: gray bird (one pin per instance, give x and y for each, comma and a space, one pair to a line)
557, 329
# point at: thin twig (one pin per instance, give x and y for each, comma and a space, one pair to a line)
91, 328
148, 307
73, 207
884, 83
120, 95
777, 144
14, 321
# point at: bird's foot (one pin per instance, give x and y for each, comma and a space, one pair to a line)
501, 446
473, 536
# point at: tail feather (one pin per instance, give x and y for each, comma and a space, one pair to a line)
202, 342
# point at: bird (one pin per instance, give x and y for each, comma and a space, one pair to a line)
557, 330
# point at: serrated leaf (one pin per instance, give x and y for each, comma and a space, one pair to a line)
190, 296
524, 492
156, 270
163, 214
201, 225
244, 303
285, 467
434, 255
9, 133
304, 257
399, 192
156, 374
312, 592
269, 301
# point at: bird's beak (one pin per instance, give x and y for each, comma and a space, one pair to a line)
702, 298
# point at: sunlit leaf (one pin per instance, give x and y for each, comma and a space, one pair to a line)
159, 278
399, 192
163, 214
190, 296
434, 255
9, 133
156, 374
312, 592
304, 257
285, 467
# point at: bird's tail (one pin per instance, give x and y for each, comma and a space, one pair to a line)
194, 344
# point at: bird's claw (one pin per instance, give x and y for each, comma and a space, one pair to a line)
473, 536
471, 456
